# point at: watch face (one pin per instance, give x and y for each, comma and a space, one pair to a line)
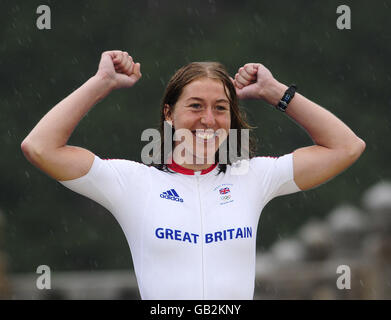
282, 105
287, 97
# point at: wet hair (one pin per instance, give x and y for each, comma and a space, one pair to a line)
174, 89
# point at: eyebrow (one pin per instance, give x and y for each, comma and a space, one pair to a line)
200, 99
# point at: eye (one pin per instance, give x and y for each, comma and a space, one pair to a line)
195, 106
221, 108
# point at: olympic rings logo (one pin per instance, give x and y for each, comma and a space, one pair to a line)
226, 197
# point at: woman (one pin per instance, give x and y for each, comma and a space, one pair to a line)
192, 233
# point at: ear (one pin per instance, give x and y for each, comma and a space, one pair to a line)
167, 113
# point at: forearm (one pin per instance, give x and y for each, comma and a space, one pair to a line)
55, 128
324, 128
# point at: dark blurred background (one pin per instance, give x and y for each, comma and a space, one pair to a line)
346, 71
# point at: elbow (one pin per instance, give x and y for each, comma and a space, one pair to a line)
25, 146
26, 149
356, 149
31, 152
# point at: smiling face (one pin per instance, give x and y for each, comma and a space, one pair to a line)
203, 108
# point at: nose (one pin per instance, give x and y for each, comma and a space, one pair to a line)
208, 118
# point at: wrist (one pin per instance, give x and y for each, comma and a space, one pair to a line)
104, 84
273, 93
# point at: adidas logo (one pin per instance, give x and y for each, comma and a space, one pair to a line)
171, 195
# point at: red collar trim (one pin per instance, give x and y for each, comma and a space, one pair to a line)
177, 168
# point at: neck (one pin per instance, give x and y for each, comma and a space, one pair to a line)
196, 167
192, 165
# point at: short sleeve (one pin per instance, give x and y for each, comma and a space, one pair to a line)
111, 182
274, 175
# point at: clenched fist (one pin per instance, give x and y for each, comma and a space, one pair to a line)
118, 68
253, 81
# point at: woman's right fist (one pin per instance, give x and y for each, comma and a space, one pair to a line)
118, 68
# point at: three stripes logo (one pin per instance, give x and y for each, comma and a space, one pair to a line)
171, 195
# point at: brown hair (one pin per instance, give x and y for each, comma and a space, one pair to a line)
183, 77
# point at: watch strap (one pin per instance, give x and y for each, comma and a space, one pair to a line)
286, 98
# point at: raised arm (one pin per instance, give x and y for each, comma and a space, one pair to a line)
336, 146
46, 145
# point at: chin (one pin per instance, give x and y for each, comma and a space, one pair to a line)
203, 159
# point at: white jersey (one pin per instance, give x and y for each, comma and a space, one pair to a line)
192, 235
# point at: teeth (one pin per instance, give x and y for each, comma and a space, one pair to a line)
204, 135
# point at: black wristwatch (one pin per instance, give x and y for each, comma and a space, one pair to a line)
287, 97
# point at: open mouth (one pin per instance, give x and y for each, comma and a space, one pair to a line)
204, 135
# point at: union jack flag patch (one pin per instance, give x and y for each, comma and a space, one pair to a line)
224, 190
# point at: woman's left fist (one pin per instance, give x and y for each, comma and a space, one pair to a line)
252, 80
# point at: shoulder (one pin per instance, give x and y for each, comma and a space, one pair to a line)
267, 161
260, 164
122, 166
